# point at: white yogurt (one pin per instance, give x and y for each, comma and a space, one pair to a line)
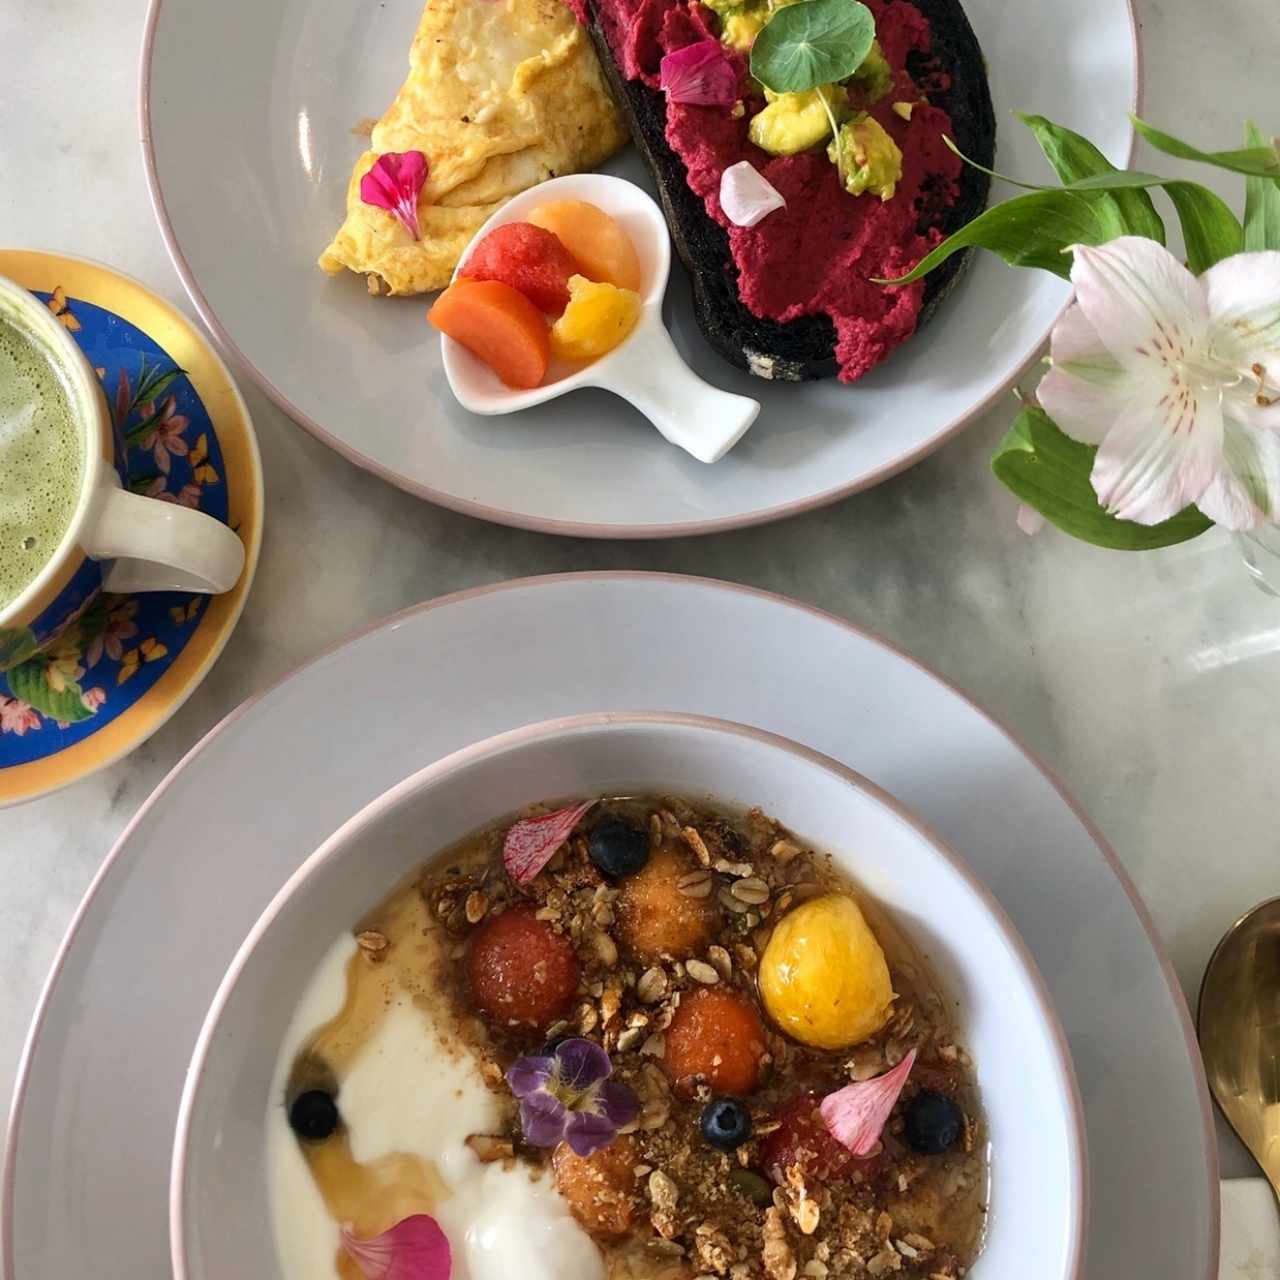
406, 1092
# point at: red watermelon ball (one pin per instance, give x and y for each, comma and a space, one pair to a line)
529, 259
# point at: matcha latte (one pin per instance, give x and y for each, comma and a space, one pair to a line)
41, 457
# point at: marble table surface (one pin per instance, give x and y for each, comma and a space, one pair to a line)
1149, 683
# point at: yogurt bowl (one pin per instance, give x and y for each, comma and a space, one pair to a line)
242, 1201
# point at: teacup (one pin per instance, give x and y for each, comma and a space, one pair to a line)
68, 526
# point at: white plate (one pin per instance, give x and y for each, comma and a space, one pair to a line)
87, 1165
247, 112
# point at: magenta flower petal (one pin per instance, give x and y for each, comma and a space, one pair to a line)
394, 184
581, 1064
531, 843
543, 1118
856, 1114
414, 1249
700, 74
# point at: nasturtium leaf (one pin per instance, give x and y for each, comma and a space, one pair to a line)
812, 43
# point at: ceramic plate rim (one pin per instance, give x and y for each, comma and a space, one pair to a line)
517, 519
251, 527
23, 1076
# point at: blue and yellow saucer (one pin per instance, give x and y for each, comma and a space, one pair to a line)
129, 662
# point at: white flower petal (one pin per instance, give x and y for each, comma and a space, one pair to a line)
1157, 460
1243, 293
1087, 389
1144, 305
1246, 491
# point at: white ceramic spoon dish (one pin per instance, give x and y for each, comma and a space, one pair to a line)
645, 368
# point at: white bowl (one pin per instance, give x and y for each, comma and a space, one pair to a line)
220, 1217
645, 369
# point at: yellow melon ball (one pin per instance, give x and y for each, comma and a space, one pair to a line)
823, 976
597, 318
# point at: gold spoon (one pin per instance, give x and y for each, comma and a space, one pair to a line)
1239, 1024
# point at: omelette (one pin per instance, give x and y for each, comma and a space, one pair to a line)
501, 94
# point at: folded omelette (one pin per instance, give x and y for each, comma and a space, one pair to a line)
501, 94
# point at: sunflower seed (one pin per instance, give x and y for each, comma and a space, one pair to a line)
721, 961
695, 842
604, 947
701, 971
477, 905
652, 985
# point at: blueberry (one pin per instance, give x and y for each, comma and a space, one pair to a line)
617, 848
933, 1122
726, 1123
314, 1115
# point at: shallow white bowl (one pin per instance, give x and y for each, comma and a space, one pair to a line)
220, 1218
247, 116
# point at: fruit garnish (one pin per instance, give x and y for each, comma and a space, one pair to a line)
932, 1122
530, 259
716, 1037
568, 1097
599, 316
601, 248
532, 842
662, 913
522, 974
617, 848
856, 1114
313, 1115
725, 1123
394, 184
802, 1139
414, 1249
823, 976
498, 325
746, 195
699, 74
600, 1188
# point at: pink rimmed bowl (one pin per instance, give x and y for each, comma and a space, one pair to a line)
220, 1217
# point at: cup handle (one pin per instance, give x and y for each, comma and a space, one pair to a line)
651, 374
159, 546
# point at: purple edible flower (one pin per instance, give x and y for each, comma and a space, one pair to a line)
566, 1096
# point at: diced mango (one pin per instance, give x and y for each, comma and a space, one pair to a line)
597, 318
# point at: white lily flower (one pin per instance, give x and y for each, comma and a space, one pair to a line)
1175, 379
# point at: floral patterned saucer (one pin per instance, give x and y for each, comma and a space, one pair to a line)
129, 662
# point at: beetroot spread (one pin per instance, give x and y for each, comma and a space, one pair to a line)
822, 251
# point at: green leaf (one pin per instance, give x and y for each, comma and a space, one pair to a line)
28, 683
1049, 471
812, 43
1210, 231
1262, 161
1074, 157
1261, 203
17, 644
1030, 231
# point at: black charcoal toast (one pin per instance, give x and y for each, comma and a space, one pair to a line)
804, 349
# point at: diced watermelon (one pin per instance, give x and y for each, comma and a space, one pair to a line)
529, 259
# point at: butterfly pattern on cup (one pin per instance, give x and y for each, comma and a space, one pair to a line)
113, 653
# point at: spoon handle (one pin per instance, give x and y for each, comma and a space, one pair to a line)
651, 374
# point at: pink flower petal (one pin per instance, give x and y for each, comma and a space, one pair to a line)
746, 195
394, 183
531, 842
700, 74
414, 1249
856, 1114
1030, 521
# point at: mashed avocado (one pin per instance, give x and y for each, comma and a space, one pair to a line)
794, 122
874, 77
868, 158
